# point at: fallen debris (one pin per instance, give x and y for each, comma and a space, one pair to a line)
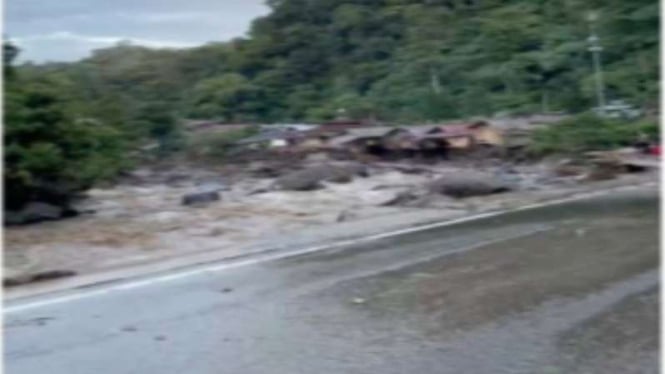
134, 223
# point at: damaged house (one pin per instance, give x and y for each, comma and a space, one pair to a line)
465, 136
436, 141
319, 137
369, 140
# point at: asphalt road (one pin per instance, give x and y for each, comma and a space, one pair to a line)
565, 289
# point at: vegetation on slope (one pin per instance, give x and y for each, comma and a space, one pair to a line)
406, 60
71, 124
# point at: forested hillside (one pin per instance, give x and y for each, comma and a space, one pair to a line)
397, 60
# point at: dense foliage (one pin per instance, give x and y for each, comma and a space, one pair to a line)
52, 150
402, 60
588, 132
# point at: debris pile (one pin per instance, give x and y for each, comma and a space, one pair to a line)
312, 178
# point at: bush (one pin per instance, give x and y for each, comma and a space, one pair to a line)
50, 154
588, 132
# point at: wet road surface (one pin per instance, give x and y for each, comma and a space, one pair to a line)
565, 289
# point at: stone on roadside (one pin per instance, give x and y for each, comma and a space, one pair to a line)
18, 280
467, 185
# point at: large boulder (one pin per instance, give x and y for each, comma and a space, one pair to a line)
357, 169
601, 172
468, 185
338, 175
35, 212
200, 197
312, 177
302, 180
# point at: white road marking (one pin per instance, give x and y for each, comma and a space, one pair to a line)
129, 285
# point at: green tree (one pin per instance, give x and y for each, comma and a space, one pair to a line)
406, 60
50, 152
230, 97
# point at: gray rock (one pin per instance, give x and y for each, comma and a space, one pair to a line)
312, 177
38, 212
359, 170
13, 218
303, 180
200, 197
467, 186
337, 174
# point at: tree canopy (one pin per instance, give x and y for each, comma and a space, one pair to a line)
403, 60
51, 149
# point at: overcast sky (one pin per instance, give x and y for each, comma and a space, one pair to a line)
66, 30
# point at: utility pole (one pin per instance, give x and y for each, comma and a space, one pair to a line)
595, 48
434, 81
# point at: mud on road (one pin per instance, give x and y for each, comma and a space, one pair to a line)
559, 295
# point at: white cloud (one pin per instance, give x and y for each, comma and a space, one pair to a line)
91, 24
101, 40
171, 17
